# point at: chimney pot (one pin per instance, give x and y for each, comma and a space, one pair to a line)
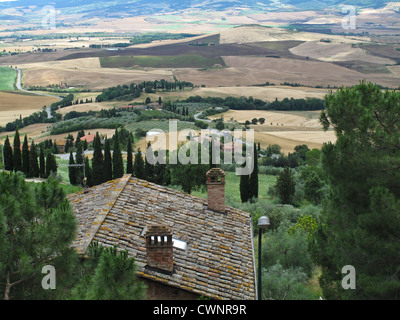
159, 248
216, 189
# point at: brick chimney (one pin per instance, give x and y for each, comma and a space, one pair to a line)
159, 248
216, 189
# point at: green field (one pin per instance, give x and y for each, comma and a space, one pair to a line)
8, 78
232, 186
175, 61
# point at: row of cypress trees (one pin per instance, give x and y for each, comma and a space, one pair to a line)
27, 160
105, 166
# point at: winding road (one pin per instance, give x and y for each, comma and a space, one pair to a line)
19, 87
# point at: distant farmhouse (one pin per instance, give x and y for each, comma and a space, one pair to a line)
185, 247
60, 145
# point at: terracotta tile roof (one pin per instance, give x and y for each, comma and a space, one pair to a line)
89, 138
218, 261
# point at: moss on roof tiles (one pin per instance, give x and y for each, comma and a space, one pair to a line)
218, 261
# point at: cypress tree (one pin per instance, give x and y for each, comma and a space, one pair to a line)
88, 173
54, 148
285, 186
97, 162
42, 164
138, 165
79, 160
118, 164
244, 188
253, 180
129, 164
72, 170
51, 164
107, 161
33, 162
17, 152
8, 155
149, 169
25, 156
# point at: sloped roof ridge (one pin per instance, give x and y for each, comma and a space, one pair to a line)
101, 209
161, 188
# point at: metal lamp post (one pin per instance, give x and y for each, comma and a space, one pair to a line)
263, 223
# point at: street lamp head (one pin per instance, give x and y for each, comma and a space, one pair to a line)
263, 222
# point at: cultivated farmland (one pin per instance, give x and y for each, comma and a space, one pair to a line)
8, 78
14, 104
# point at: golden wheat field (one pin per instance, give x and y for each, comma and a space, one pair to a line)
288, 129
85, 72
246, 70
15, 104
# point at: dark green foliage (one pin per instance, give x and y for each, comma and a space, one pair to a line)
149, 170
8, 155
244, 188
287, 263
115, 278
97, 161
33, 161
108, 274
51, 164
42, 163
138, 165
361, 225
285, 186
312, 188
107, 161
189, 176
313, 157
118, 165
37, 227
129, 160
160, 173
250, 103
79, 172
17, 162
25, 156
220, 125
279, 283
253, 179
72, 170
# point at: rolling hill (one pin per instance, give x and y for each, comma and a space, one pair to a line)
27, 9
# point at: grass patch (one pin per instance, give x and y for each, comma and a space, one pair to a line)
8, 78
176, 61
68, 188
233, 182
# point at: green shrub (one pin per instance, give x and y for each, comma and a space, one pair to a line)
279, 283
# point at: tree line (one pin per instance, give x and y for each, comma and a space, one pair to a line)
35, 161
105, 165
249, 103
133, 90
